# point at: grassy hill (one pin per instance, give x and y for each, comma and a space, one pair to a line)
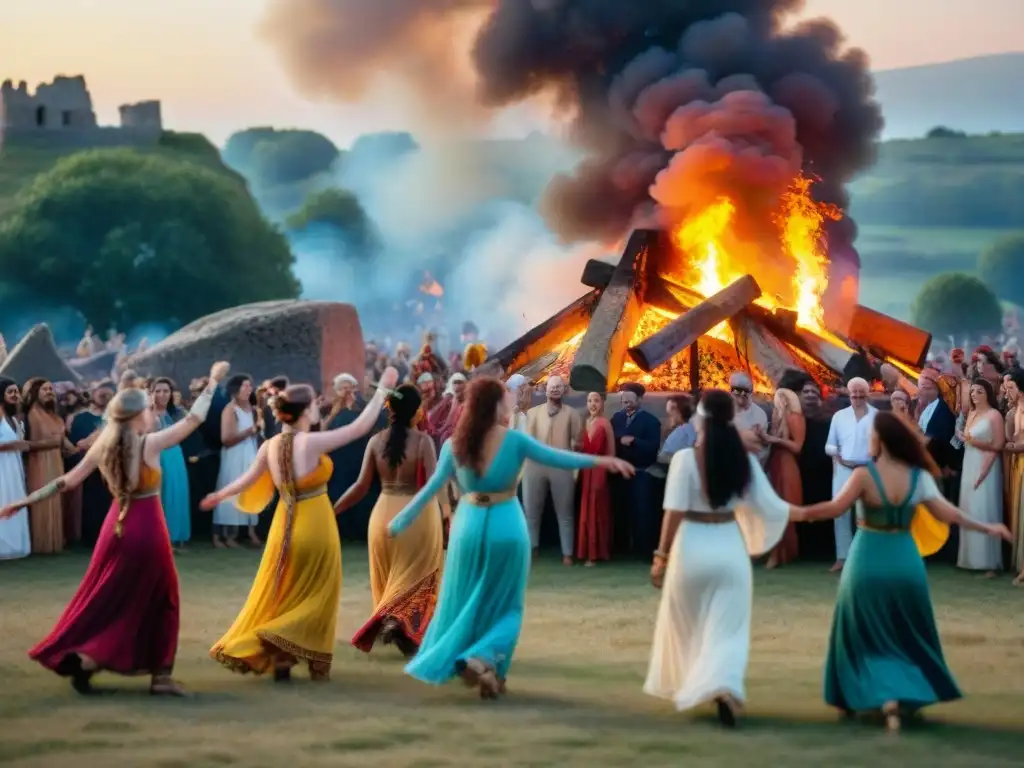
20, 164
975, 95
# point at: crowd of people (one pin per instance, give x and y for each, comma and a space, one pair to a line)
460, 470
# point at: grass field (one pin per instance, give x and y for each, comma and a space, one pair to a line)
574, 691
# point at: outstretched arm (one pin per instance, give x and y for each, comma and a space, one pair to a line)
534, 450
443, 470
259, 465
65, 482
333, 439
173, 435
357, 492
828, 510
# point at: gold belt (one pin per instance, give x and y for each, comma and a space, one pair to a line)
312, 493
145, 494
398, 489
489, 499
708, 518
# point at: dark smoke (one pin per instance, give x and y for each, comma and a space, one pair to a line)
673, 100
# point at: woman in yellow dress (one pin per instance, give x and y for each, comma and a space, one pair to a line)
404, 572
292, 608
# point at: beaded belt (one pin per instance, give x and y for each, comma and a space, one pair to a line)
312, 493
145, 494
398, 489
489, 499
708, 518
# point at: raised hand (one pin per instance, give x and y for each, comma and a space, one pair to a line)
219, 371
389, 378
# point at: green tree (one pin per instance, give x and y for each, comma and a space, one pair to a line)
342, 210
269, 156
126, 237
1001, 267
942, 132
956, 303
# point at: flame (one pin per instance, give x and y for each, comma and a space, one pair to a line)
704, 236
430, 286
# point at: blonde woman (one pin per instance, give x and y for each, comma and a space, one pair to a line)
124, 616
786, 440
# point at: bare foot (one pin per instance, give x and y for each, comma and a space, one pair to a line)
989, 575
165, 686
217, 543
773, 562
589, 564
891, 711
837, 567
254, 539
1019, 580
567, 560
231, 544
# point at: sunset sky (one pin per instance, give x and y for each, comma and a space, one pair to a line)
205, 61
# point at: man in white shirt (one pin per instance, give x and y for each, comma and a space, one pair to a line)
848, 443
750, 418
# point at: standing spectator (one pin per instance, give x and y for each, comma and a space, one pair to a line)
636, 511
15, 540
750, 419
786, 440
981, 487
238, 430
594, 538
45, 464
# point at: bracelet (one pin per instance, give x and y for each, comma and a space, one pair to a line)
659, 553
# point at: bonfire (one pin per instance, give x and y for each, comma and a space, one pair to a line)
686, 306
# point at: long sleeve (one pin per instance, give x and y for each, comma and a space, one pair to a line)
832, 447
761, 515
645, 444
442, 472
534, 450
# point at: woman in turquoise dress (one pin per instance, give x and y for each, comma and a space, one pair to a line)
479, 612
884, 652
174, 496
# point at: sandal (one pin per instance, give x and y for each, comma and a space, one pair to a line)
477, 674
165, 686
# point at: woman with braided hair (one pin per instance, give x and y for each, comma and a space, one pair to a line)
292, 608
124, 616
404, 572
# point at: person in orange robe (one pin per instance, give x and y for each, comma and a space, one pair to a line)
786, 440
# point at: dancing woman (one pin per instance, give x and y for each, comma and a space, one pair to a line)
720, 510
479, 611
124, 616
404, 572
292, 608
884, 652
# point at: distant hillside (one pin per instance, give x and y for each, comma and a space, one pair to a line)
973, 95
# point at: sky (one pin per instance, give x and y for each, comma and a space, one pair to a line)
204, 60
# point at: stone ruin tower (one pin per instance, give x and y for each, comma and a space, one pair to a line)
60, 113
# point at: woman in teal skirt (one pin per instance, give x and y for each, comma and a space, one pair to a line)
884, 652
479, 612
174, 496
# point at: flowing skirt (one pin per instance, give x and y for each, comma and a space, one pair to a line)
234, 462
594, 537
404, 572
702, 635
124, 616
15, 541
884, 645
784, 473
479, 612
300, 616
174, 494
46, 517
979, 551
1016, 511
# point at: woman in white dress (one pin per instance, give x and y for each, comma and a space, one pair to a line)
238, 430
981, 482
15, 541
720, 510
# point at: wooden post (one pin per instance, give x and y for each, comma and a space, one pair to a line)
695, 368
886, 336
691, 325
754, 342
598, 361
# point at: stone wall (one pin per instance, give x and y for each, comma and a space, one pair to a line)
87, 138
308, 341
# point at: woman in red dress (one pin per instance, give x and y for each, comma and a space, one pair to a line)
594, 538
124, 616
786, 437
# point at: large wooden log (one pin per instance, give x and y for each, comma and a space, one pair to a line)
691, 325
756, 344
886, 336
599, 359
782, 324
561, 326
597, 274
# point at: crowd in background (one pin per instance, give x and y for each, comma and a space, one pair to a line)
967, 410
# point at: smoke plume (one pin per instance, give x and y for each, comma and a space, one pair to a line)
671, 100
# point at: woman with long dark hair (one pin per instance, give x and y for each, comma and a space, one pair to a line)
479, 612
174, 495
124, 617
884, 652
291, 613
404, 572
981, 484
720, 510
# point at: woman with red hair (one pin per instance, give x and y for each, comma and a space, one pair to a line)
479, 611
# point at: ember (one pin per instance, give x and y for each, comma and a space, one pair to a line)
683, 309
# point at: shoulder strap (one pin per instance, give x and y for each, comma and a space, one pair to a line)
873, 470
915, 475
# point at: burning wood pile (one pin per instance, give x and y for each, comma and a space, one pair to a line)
675, 314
